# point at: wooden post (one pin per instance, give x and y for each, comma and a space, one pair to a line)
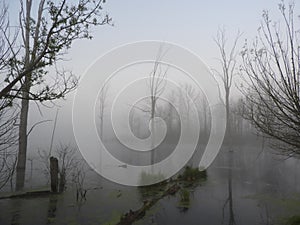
54, 173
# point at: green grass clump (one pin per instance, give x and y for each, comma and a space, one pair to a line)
149, 178
184, 201
184, 195
153, 190
294, 220
192, 174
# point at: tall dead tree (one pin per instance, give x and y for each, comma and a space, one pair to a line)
157, 84
228, 62
187, 96
102, 106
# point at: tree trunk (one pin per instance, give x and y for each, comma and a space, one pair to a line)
230, 158
230, 194
228, 128
101, 137
152, 143
152, 134
228, 118
21, 164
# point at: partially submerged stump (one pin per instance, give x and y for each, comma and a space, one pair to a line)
54, 173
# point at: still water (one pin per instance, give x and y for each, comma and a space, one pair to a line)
263, 188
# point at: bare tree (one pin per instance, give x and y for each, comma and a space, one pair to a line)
78, 179
45, 37
228, 62
171, 116
8, 48
157, 84
136, 120
187, 96
8, 112
102, 106
183, 98
205, 112
8, 162
43, 157
271, 66
8, 141
67, 160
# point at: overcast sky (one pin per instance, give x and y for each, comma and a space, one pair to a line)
191, 24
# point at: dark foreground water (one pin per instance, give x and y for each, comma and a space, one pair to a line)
264, 189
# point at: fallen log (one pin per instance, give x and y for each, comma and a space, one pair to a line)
132, 216
28, 194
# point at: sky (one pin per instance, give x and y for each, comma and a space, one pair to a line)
192, 24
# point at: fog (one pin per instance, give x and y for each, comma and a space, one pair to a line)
173, 120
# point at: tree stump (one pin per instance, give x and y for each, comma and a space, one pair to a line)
54, 173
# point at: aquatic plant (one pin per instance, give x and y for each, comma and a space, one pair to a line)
294, 220
151, 178
192, 174
184, 195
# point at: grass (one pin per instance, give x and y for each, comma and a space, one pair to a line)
192, 174
294, 220
153, 190
185, 195
152, 179
184, 201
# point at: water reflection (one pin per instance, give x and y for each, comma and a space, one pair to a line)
243, 187
229, 201
16, 212
52, 207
